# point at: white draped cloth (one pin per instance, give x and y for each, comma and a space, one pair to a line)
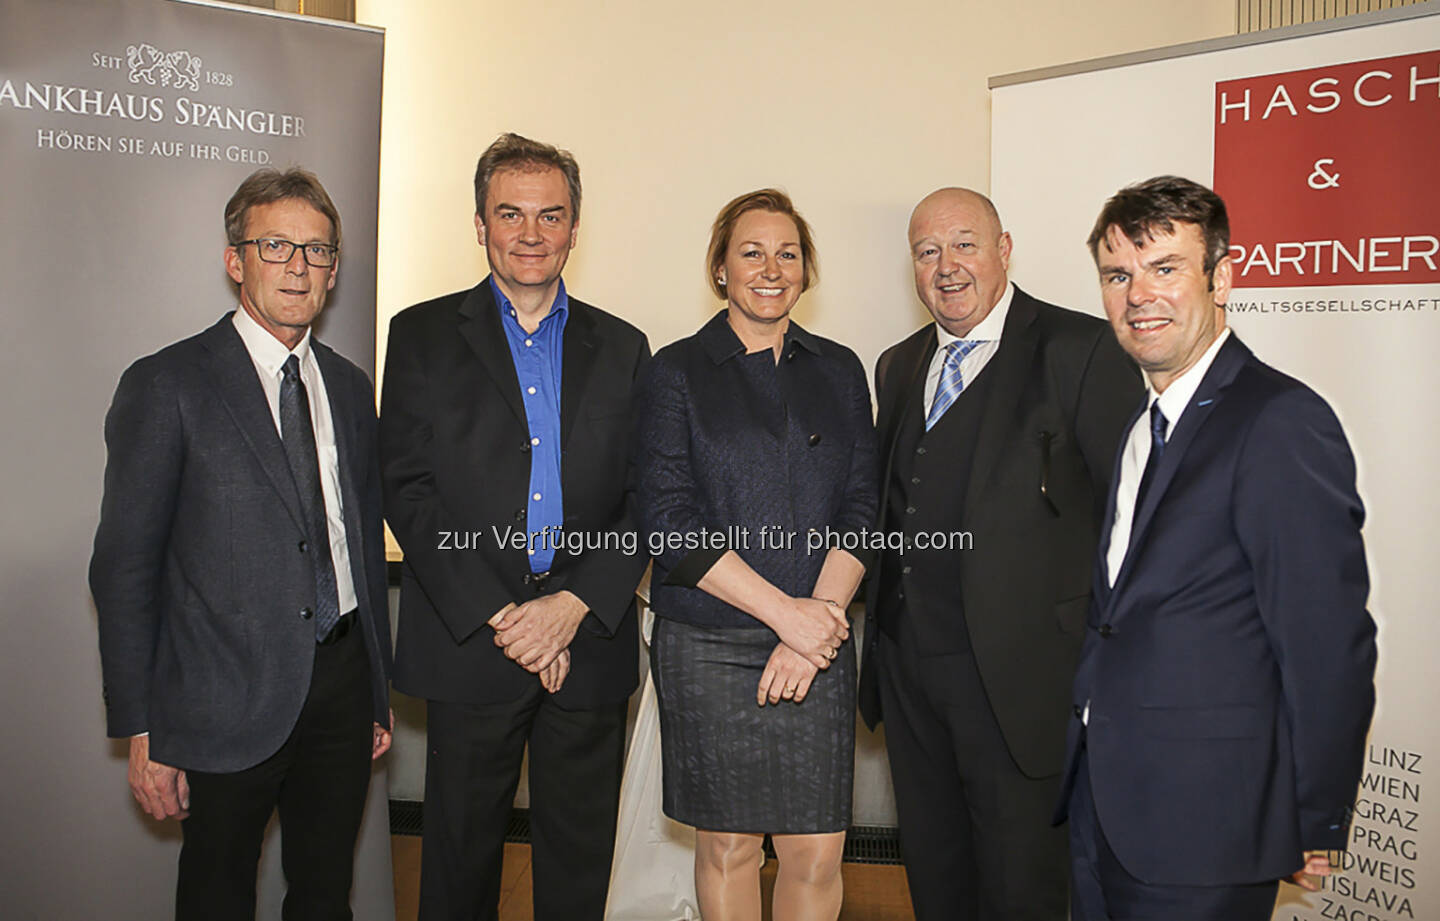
653, 876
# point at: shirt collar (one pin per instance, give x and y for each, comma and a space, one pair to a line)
802, 338
721, 343
265, 350
560, 308
719, 340
987, 329
1178, 395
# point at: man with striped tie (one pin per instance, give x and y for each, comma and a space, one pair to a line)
998, 425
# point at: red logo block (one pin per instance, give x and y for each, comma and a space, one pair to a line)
1332, 174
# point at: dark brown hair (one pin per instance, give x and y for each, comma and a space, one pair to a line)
511, 151
1142, 209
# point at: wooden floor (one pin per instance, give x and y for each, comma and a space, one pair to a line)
872, 893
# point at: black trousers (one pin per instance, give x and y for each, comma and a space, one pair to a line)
471, 772
317, 780
1104, 891
975, 832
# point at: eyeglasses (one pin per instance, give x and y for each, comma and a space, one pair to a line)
317, 255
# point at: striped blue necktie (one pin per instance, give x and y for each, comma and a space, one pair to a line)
951, 383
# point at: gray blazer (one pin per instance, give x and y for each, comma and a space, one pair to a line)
201, 569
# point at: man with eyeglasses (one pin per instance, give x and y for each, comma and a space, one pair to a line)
239, 573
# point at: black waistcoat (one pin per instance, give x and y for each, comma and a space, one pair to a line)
929, 473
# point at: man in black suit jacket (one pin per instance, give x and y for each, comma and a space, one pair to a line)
997, 427
1226, 682
503, 430
239, 573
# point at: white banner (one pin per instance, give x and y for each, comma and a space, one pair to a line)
1328, 181
125, 126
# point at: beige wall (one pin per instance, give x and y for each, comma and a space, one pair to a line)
857, 109
675, 107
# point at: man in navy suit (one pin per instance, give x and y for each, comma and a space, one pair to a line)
1225, 685
239, 573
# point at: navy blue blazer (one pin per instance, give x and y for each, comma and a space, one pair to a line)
730, 441
202, 572
1229, 671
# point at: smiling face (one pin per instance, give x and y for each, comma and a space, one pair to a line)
527, 231
961, 258
1164, 308
764, 269
284, 298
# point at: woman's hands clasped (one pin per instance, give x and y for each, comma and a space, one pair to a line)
814, 629
811, 634
787, 676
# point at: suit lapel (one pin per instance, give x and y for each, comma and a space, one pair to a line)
481, 330
1107, 522
1228, 361
577, 361
233, 375
343, 410
342, 415
1011, 366
903, 384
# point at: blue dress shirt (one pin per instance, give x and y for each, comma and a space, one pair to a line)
537, 358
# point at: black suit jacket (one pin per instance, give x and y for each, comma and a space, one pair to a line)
1061, 394
1229, 670
202, 569
455, 451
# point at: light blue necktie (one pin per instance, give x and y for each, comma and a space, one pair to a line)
951, 383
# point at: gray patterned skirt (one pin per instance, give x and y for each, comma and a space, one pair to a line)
732, 766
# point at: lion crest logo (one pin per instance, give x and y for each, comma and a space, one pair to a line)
178, 68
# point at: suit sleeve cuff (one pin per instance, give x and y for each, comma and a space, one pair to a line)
864, 556
693, 567
1326, 832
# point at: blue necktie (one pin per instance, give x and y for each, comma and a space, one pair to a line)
1158, 425
951, 383
297, 433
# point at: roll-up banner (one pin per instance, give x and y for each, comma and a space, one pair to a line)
1322, 139
125, 125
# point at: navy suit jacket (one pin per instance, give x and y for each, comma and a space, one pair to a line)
1229, 671
202, 567
728, 441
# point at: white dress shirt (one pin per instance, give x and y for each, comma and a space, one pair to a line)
269, 355
987, 330
1172, 402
